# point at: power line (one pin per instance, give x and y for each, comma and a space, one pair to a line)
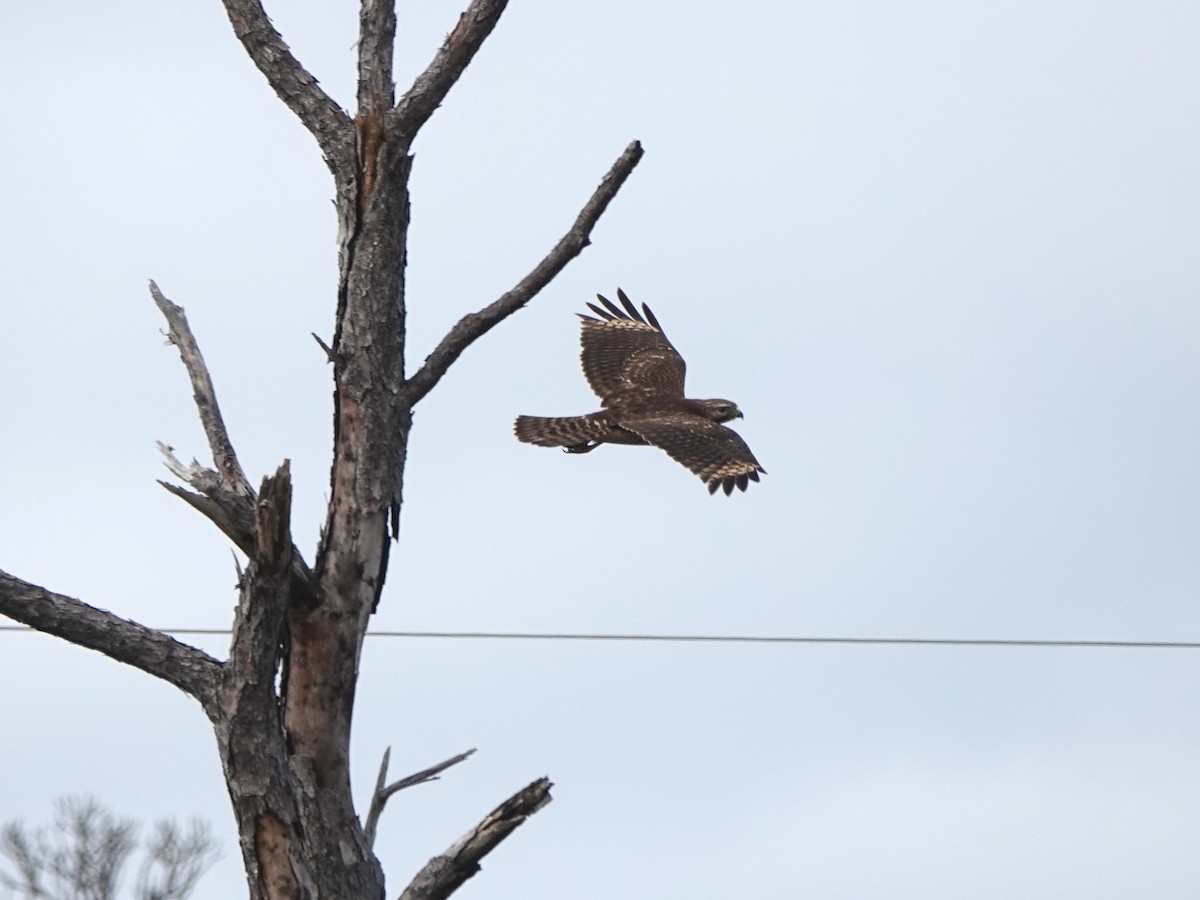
726, 639
781, 639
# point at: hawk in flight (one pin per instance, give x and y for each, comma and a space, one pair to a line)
638, 376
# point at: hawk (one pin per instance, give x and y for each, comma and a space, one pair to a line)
638, 376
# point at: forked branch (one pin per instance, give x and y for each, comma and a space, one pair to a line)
445, 874
473, 326
384, 791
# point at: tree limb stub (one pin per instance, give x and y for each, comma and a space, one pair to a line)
445, 874
255, 648
273, 519
473, 326
189, 669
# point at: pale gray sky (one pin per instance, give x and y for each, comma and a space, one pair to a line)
944, 255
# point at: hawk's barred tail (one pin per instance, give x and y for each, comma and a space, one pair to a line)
576, 433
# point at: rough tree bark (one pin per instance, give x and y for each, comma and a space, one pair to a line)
281, 704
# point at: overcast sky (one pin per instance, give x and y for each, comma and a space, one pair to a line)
942, 254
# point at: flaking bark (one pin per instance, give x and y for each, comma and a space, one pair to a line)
281, 705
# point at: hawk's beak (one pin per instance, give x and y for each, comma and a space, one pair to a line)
739, 415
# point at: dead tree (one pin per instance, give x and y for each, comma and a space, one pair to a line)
281, 704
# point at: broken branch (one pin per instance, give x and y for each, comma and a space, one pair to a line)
234, 515
445, 874
229, 470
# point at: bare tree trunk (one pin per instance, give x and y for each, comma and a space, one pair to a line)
282, 704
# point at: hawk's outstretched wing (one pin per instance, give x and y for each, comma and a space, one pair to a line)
624, 349
716, 453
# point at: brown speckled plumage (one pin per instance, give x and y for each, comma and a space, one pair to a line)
638, 376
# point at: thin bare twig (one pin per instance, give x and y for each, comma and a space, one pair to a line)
473, 326
380, 785
382, 794
229, 470
189, 669
431, 86
445, 874
318, 112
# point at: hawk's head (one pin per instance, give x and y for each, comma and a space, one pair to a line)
721, 410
